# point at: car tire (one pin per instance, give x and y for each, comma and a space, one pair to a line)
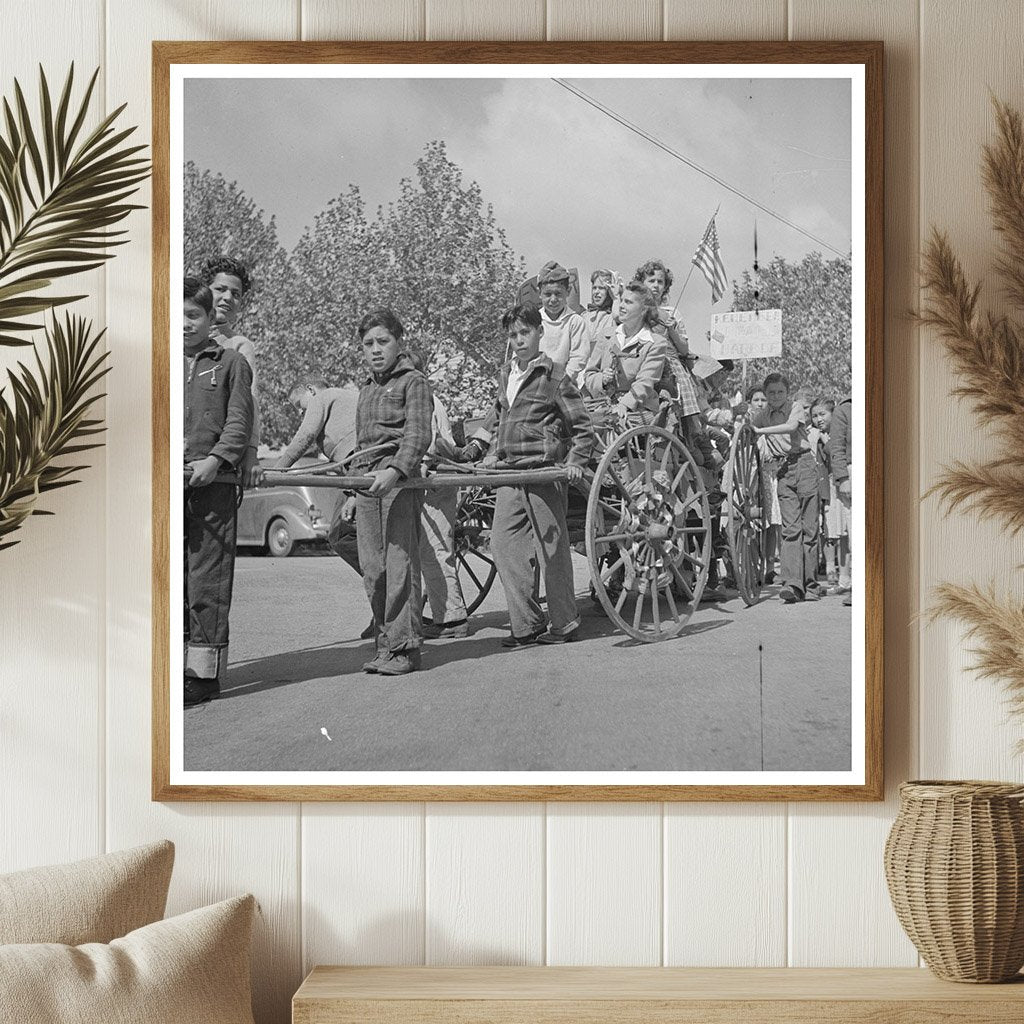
279, 538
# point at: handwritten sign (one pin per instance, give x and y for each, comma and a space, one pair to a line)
747, 335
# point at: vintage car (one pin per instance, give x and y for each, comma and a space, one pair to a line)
277, 518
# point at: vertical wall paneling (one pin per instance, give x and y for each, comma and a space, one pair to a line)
485, 19
52, 615
836, 851
363, 879
363, 19
725, 885
965, 729
222, 849
485, 883
578, 19
726, 19
725, 866
604, 884
362, 884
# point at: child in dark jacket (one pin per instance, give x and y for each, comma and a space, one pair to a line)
218, 427
538, 420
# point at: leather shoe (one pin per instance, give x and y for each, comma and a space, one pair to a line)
400, 663
374, 665
199, 691
548, 637
522, 641
433, 631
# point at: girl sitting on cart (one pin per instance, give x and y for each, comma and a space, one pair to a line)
626, 369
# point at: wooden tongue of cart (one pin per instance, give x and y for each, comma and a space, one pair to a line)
641, 513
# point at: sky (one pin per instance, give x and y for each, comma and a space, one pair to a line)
567, 182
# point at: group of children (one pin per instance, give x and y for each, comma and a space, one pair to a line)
626, 354
804, 444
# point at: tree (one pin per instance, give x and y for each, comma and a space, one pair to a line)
436, 256
220, 219
815, 298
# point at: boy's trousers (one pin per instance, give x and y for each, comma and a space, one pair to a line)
209, 549
388, 531
437, 556
799, 504
529, 530
342, 538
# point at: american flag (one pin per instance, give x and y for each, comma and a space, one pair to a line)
708, 260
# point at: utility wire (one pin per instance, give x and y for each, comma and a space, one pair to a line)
598, 105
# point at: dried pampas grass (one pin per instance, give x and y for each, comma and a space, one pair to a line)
987, 356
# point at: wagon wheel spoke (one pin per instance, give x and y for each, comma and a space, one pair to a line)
615, 537
472, 575
639, 609
617, 480
671, 603
654, 602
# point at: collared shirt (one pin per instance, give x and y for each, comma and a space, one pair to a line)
778, 446
516, 376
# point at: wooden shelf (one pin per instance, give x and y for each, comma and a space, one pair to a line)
632, 995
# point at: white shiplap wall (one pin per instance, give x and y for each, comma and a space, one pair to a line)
739, 884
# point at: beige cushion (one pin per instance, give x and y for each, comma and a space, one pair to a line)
191, 969
93, 900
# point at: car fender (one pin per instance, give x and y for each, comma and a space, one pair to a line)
298, 524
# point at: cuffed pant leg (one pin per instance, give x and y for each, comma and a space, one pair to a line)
210, 522
513, 547
546, 504
437, 557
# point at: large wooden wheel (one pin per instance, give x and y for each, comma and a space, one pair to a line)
473, 562
746, 517
648, 533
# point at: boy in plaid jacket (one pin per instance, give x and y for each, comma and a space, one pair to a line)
538, 420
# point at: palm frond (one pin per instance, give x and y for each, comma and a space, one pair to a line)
46, 418
62, 191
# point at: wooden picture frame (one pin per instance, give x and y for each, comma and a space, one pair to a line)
867, 745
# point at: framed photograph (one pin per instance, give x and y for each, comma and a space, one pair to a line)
518, 449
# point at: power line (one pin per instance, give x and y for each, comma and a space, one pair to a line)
637, 130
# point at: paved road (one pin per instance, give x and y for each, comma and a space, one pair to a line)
700, 702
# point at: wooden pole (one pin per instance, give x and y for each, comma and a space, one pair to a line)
439, 481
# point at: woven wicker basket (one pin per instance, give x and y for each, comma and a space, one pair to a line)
954, 861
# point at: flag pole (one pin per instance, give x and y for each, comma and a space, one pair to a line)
692, 264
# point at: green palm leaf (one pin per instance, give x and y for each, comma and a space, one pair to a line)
62, 190
46, 418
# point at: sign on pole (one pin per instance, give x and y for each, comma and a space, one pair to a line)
754, 334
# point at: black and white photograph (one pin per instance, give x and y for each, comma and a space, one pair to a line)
523, 414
